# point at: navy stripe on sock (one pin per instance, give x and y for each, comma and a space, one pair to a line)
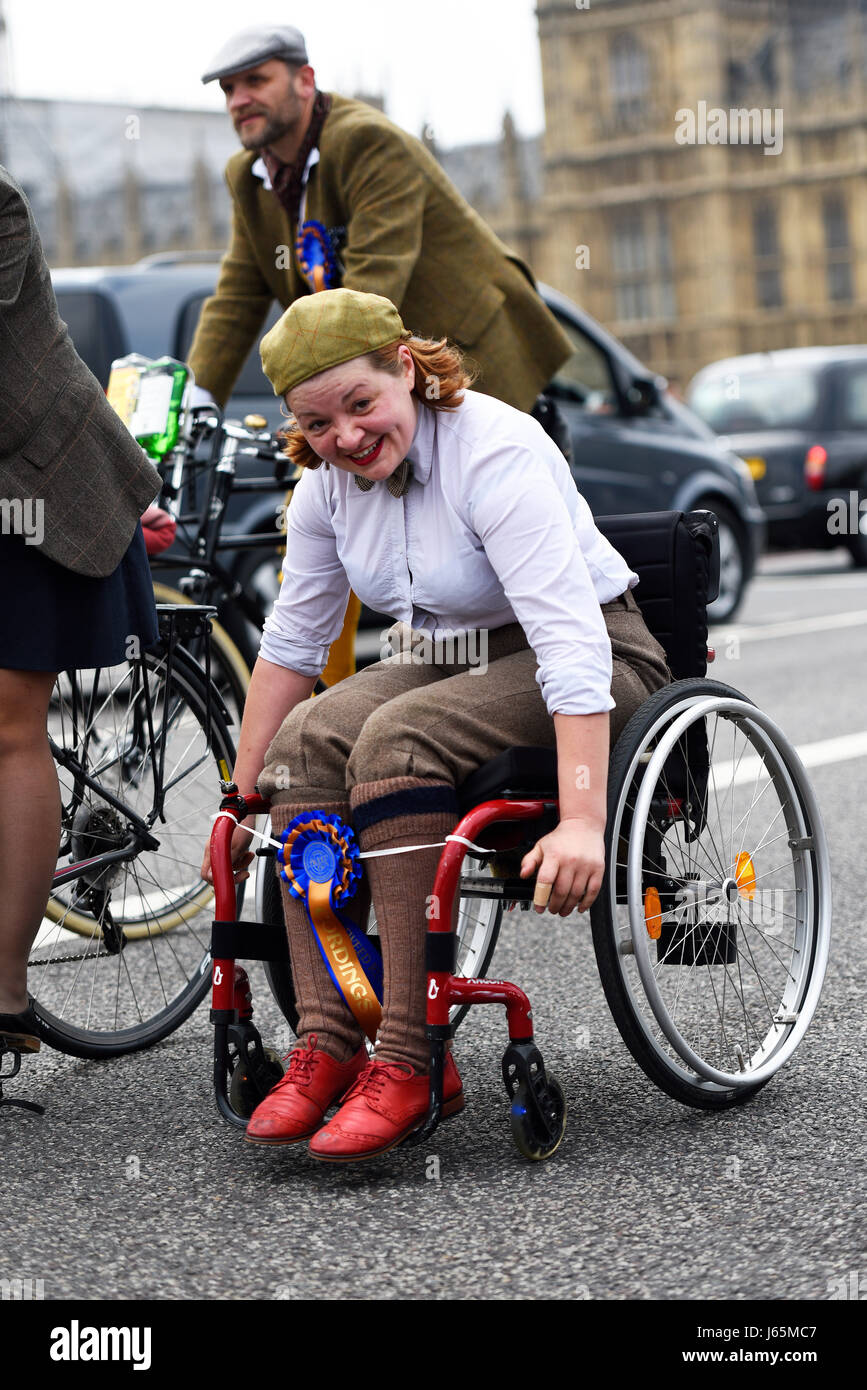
415, 801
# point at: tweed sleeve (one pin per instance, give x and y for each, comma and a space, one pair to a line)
232, 318
15, 243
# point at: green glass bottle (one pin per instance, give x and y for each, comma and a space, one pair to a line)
156, 422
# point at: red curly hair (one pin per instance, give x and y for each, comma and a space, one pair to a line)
442, 375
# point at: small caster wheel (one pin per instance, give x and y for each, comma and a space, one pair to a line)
538, 1119
248, 1087
538, 1107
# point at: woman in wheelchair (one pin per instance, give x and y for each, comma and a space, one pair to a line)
514, 624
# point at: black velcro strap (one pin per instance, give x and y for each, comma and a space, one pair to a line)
441, 951
439, 1032
248, 941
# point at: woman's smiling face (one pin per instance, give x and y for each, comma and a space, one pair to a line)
358, 417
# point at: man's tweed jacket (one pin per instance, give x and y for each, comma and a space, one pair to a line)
60, 441
406, 233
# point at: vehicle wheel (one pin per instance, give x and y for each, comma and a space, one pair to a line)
230, 672
733, 562
123, 955
711, 930
478, 927
857, 544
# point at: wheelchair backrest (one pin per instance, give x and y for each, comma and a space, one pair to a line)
676, 558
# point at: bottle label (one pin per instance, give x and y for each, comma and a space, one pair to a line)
122, 391
152, 409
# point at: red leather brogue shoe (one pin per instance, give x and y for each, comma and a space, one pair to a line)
295, 1108
387, 1102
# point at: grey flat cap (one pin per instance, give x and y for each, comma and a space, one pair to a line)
256, 45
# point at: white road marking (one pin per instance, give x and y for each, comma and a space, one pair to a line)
820, 754
796, 627
777, 583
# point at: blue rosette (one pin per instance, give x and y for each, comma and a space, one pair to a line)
325, 850
316, 255
322, 849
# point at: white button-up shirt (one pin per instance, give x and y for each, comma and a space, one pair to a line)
492, 530
259, 170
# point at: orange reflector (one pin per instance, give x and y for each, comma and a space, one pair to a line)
652, 913
745, 875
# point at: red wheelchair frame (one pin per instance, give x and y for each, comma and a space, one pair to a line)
674, 554
537, 1102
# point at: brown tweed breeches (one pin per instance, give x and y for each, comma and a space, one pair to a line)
439, 721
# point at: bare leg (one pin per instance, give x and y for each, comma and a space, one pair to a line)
29, 825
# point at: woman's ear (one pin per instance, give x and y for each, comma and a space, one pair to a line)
408, 361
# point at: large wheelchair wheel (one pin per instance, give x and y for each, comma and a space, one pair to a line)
712, 927
478, 928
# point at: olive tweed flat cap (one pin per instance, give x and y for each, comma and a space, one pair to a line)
322, 330
256, 45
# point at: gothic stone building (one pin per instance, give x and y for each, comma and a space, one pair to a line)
688, 245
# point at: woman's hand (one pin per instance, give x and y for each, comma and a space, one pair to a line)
242, 856
572, 859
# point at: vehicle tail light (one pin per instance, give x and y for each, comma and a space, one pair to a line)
814, 467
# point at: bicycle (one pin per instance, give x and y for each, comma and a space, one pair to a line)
122, 958
199, 478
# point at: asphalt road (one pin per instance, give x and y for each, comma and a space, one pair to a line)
132, 1187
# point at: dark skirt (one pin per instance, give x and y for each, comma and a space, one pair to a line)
53, 619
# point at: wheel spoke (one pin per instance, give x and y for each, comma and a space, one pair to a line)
92, 996
716, 996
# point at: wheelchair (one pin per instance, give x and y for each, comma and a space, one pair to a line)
712, 926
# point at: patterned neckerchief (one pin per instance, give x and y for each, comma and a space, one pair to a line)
287, 179
397, 484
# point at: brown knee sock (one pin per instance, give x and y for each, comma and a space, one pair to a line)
321, 1010
386, 815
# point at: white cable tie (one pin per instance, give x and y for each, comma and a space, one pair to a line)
368, 854
402, 849
407, 849
480, 849
278, 844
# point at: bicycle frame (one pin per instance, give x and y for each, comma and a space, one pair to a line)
194, 619
207, 580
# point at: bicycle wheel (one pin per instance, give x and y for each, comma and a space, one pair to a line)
122, 957
478, 928
712, 928
229, 670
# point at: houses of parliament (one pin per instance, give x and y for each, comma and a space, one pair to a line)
700, 186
